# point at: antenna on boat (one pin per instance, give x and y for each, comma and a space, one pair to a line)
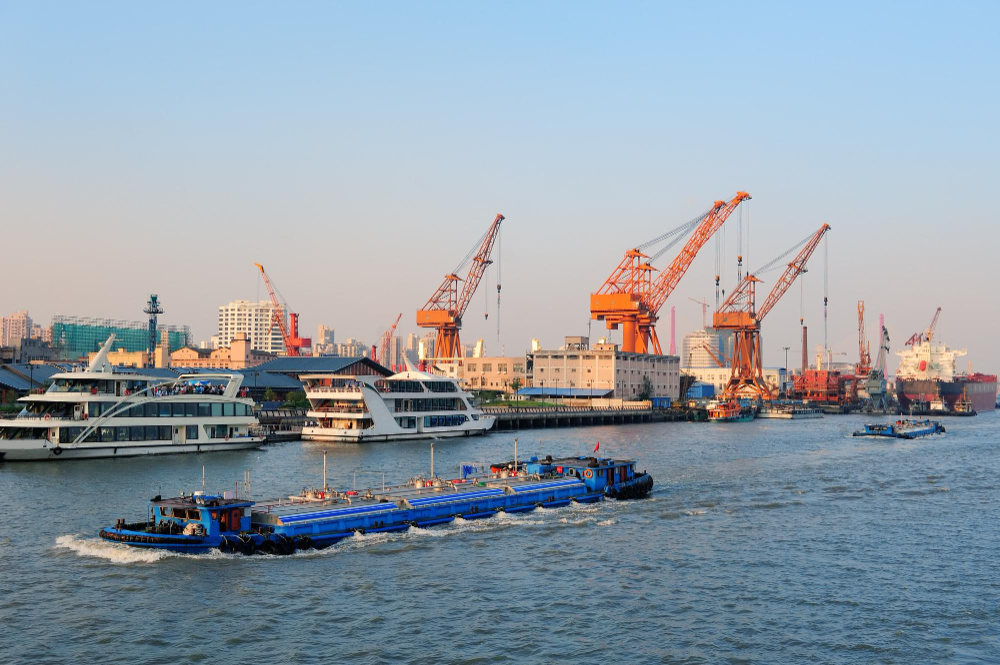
324, 471
202, 477
432, 460
515, 453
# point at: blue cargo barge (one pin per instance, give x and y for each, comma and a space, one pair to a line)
200, 523
902, 429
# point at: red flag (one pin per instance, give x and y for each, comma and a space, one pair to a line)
597, 447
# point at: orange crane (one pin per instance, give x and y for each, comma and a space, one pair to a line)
290, 334
718, 361
927, 335
864, 353
740, 315
445, 309
630, 298
383, 349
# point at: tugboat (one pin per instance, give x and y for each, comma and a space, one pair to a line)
729, 412
902, 429
199, 523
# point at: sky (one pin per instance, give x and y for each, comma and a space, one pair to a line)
359, 150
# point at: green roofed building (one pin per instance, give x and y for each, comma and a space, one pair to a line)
77, 336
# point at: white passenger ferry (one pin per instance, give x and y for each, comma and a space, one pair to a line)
101, 412
408, 405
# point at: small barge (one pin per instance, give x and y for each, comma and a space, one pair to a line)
199, 523
902, 429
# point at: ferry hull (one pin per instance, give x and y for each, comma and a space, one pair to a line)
40, 450
362, 436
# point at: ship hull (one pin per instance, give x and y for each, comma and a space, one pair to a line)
981, 392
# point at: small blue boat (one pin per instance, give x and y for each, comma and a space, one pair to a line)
199, 523
902, 429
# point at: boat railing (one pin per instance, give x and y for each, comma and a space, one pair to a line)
333, 389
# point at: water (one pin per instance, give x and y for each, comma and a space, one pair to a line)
763, 542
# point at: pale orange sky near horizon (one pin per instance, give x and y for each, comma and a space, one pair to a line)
358, 153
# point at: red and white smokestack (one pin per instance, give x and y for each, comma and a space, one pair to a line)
805, 349
673, 331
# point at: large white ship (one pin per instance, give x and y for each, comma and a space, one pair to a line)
102, 412
408, 405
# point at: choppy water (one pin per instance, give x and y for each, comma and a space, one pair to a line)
764, 542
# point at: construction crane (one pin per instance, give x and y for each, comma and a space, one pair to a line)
289, 334
631, 298
383, 348
740, 315
875, 381
927, 335
864, 353
704, 311
717, 359
153, 309
445, 309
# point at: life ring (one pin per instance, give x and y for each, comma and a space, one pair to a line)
57, 451
588, 473
227, 437
47, 416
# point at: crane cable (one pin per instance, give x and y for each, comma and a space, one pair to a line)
826, 289
499, 275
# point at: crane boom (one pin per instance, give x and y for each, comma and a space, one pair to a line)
667, 281
445, 309
795, 268
383, 350
278, 315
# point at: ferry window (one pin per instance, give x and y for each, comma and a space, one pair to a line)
192, 432
164, 432
107, 434
204, 410
427, 421
121, 433
229, 409
165, 410
220, 431
150, 409
135, 433
151, 433
93, 409
216, 409
178, 409
190, 409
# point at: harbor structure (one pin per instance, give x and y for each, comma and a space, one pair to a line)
253, 318
240, 354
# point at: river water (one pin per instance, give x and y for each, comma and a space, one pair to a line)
763, 542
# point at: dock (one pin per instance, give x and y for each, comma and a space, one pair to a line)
514, 418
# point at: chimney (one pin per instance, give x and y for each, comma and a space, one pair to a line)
805, 349
673, 331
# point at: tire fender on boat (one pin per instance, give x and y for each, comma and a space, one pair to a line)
57, 451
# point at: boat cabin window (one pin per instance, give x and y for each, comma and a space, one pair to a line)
181, 513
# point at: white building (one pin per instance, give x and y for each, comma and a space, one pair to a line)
254, 319
324, 344
695, 355
605, 367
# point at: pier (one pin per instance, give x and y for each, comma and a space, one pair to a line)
513, 418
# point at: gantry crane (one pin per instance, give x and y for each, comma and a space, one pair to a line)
289, 334
864, 348
632, 299
445, 309
927, 335
875, 381
383, 347
740, 315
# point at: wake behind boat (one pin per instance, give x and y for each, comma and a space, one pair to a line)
199, 523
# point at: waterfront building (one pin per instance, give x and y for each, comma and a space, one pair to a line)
353, 348
240, 354
604, 368
500, 373
78, 336
694, 354
256, 320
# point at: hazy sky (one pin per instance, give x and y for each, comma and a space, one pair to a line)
358, 151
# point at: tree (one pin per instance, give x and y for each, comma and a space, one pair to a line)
515, 385
296, 399
269, 395
647, 388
